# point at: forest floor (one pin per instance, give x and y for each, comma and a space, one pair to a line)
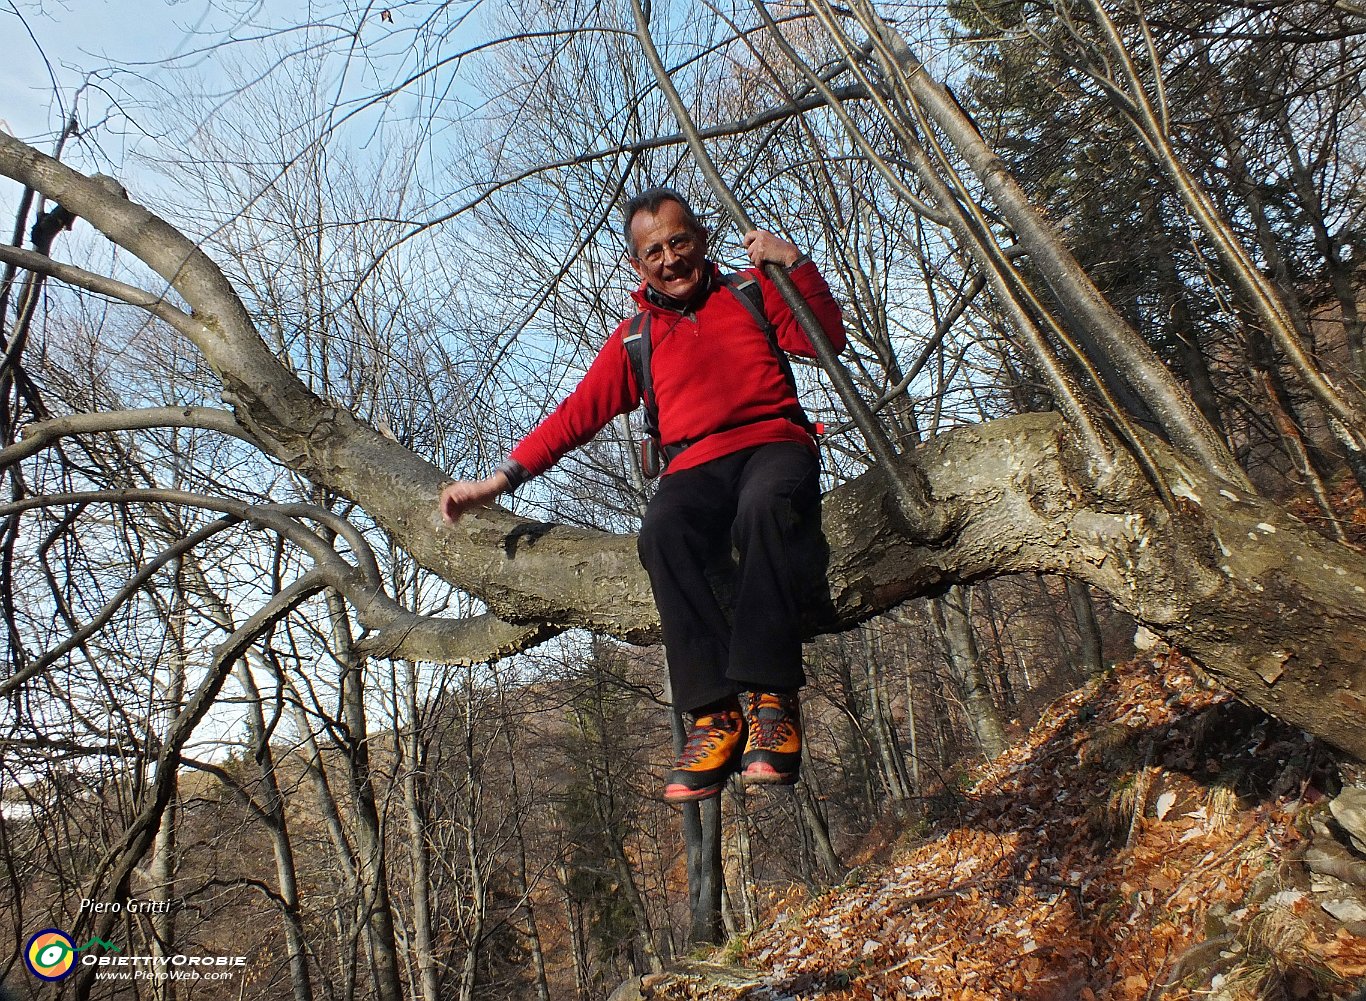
1141, 842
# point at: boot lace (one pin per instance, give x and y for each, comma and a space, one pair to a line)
708, 734
770, 723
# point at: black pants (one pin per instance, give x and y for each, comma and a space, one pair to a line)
765, 501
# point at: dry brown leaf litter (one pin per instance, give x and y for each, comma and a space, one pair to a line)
1107, 856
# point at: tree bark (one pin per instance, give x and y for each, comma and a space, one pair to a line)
706, 927
533, 931
477, 915
1002, 666
855, 754
605, 793
375, 904
273, 817
913, 735
164, 862
819, 829
744, 864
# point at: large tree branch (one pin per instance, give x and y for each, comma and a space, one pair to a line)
1273, 609
40, 435
91, 282
392, 630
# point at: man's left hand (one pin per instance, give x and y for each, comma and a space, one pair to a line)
762, 246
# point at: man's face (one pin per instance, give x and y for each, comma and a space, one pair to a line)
670, 256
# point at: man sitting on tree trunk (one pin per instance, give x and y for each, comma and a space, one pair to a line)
705, 356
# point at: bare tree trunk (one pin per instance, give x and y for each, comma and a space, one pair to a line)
951, 617
603, 776
707, 925
347, 960
702, 846
1090, 656
1007, 690
1050, 605
1301, 454
913, 734
533, 931
478, 882
1285, 417
163, 865
479, 862
372, 878
806, 858
578, 947
814, 819
706, 917
627, 883
744, 866
162, 873
415, 804
893, 765
1189, 354
728, 921
856, 755
273, 813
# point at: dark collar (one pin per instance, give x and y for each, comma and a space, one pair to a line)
690, 305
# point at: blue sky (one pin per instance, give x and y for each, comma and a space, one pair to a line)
67, 41
133, 56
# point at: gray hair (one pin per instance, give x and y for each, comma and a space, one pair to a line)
649, 201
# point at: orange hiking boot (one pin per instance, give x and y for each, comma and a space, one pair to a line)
709, 757
773, 752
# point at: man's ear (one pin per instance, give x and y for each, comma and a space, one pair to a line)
636, 266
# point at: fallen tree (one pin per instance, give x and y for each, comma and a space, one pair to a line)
1263, 602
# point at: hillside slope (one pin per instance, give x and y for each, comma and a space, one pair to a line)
1141, 842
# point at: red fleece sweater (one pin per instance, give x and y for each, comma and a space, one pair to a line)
712, 369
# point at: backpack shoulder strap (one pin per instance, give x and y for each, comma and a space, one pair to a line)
636, 341
750, 294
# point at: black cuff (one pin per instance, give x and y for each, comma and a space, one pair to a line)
515, 472
804, 259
